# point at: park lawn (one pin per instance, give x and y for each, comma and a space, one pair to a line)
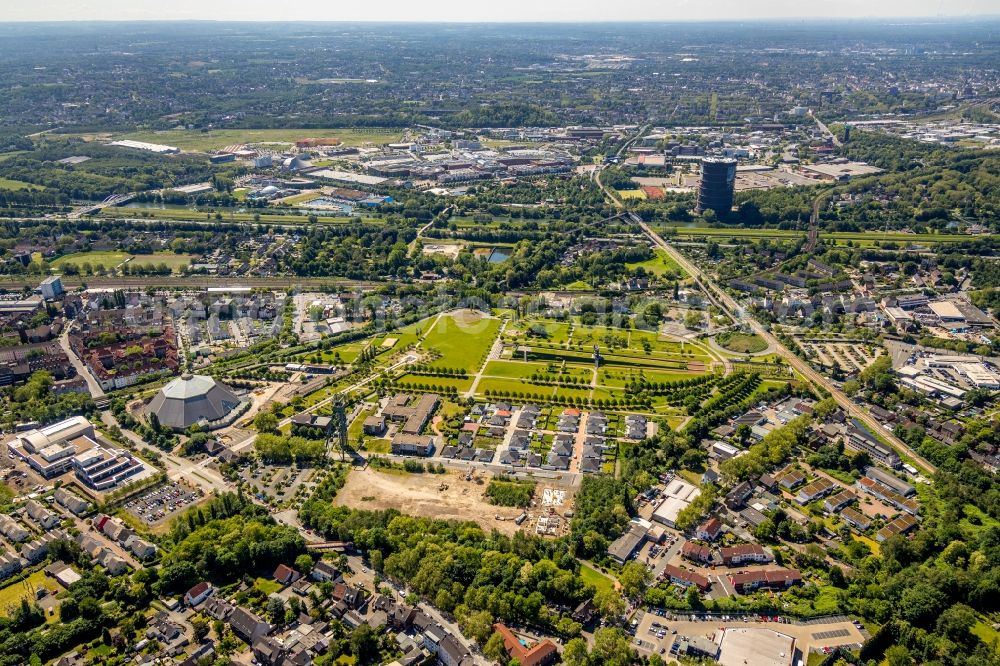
556, 332
660, 264
462, 339
11, 595
513, 369
10, 184
511, 386
197, 140
595, 578
460, 383
578, 285
583, 356
346, 353
619, 377
404, 336
742, 343
864, 237
108, 259
355, 430
602, 393
631, 194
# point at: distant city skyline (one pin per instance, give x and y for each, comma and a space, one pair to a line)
509, 11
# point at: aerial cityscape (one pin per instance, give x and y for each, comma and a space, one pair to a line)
417, 343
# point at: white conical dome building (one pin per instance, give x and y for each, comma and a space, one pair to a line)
192, 399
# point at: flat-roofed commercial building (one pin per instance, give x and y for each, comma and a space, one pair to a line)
755, 647
50, 450
677, 496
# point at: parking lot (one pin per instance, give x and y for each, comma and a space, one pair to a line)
656, 631
277, 483
157, 505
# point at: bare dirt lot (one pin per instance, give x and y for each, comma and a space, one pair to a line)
420, 495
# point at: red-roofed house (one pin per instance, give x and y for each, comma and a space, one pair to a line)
198, 593
543, 652
684, 578
709, 530
696, 552
286, 575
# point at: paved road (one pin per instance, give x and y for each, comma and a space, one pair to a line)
728, 305
825, 130
96, 392
177, 468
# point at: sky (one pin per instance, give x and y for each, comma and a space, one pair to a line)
483, 10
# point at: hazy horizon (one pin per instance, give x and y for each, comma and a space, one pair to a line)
513, 11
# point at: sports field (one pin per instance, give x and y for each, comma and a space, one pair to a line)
112, 259
106, 259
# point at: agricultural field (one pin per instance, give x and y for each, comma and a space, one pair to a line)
200, 141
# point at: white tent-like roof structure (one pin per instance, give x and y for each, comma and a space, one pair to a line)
190, 399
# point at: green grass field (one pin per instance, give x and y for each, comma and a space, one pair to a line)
175, 261
741, 342
197, 140
513, 369
660, 264
9, 184
462, 339
595, 578
107, 259
11, 595
267, 586
416, 380
111, 259
631, 194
